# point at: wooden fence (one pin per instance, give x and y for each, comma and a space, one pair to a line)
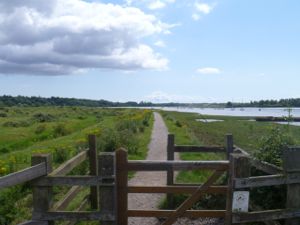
108, 182
100, 180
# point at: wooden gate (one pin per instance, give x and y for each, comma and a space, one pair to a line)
124, 166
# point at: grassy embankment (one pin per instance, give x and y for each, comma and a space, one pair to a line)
247, 135
63, 132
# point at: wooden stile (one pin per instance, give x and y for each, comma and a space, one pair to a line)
107, 194
93, 170
170, 172
42, 196
122, 184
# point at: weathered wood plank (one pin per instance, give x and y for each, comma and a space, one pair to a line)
42, 196
65, 201
22, 176
93, 170
107, 200
239, 150
82, 216
265, 215
121, 186
200, 149
71, 181
291, 159
229, 145
82, 205
167, 213
270, 180
266, 167
170, 172
258, 208
188, 203
175, 189
157, 165
70, 164
239, 167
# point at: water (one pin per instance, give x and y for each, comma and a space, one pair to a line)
247, 112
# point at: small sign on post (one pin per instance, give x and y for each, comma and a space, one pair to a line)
240, 201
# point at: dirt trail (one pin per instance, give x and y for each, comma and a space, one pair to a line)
157, 151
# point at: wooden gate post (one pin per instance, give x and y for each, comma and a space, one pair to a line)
93, 170
239, 168
42, 196
170, 172
122, 185
229, 145
291, 165
106, 170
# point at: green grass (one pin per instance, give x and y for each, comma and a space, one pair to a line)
63, 132
247, 135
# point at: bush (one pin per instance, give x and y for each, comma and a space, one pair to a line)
271, 150
43, 117
60, 130
17, 124
40, 129
108, 141
3, 114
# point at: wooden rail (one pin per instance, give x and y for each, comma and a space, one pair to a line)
23, 176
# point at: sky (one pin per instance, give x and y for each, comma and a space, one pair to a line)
151, 50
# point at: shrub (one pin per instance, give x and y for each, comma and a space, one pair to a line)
43, 117
60, 130
271, 149
22, 123
40, 129
2, 114
178, 124
108, 141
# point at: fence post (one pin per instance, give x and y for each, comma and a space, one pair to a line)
42, 196
170, 172
239, 168
291, 165
93, 170
229, 145
106, 170
122, 184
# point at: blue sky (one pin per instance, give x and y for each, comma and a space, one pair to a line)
153, 50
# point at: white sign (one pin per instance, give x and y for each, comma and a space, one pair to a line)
240, 201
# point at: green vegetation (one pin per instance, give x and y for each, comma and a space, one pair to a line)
264, 140
63, 132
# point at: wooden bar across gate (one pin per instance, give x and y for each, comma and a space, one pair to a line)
123, 166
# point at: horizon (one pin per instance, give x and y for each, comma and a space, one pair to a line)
192, 51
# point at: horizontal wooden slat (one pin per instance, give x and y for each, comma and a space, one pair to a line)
266, 167
262, 181
264, 215
34, 222
70, 164
82, 216
239, 150
22, 176
65, 201
82, 205
206, 149
167, 213
72, 181
157, 165
175, 189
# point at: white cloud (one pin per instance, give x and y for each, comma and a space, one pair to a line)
204, 7
162, 97
160, 44
196, 16
208, 70
64, 37
156, 5
151, 4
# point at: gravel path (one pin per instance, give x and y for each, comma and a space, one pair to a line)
157, 151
